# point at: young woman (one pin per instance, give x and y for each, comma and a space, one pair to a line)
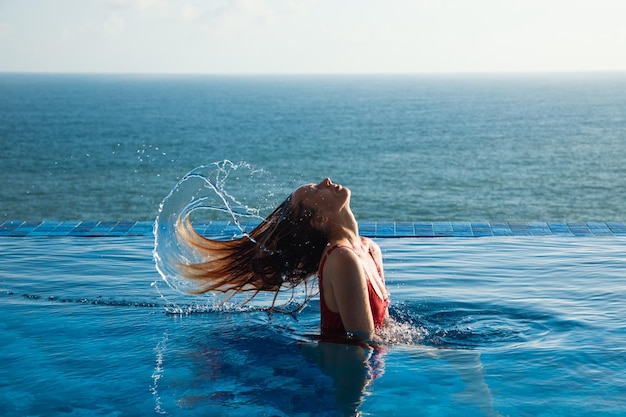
312, 231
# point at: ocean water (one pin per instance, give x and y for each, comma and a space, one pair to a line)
509, 326
484, 147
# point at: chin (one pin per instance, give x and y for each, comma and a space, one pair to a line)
348, 194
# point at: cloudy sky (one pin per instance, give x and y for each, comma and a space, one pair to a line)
312, 36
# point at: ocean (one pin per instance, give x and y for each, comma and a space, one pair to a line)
513, 147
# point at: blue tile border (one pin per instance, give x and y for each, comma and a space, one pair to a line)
370, 229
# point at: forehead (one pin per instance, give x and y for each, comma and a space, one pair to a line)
302, 193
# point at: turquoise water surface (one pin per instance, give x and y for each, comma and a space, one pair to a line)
517, 326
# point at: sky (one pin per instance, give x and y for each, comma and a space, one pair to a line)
312, 36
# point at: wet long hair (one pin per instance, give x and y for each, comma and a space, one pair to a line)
283, 251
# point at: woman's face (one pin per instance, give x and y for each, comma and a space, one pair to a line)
324, 198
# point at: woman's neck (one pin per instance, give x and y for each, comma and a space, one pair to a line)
345, 230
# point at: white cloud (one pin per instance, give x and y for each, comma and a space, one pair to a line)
136, 4
190, 12
4, 28
114, 25
313, 35
300, 7
239, 17
167, 10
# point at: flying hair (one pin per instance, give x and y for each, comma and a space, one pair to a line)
282, 252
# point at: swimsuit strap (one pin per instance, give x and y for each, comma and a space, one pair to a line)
323, 261
332, 248
371, 252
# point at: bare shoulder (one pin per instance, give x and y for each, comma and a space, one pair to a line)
373, 246
343, 263
342, 258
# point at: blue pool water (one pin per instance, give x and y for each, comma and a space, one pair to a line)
499, 325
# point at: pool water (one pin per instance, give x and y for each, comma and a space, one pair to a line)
515, 326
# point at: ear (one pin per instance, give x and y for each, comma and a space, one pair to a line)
319, 222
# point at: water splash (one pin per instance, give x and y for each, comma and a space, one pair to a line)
236, 194
402, 333
157, 374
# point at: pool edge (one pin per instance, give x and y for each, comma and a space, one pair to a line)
374, 229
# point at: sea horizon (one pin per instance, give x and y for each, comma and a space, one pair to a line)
412, 147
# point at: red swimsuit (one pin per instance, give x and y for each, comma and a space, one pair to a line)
331, 321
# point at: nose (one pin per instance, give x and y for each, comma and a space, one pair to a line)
326, 181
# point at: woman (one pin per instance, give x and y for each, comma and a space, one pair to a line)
313, 230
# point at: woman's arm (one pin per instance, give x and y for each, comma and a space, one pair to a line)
344, 274
378, 258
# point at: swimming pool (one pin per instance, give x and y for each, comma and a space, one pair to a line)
509, 325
